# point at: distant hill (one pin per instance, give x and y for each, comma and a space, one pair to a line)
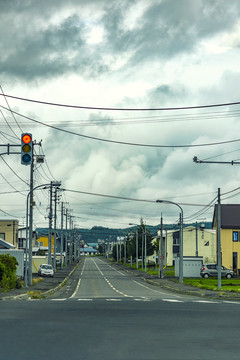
98, 233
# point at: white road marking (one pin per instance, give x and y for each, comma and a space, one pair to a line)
173, 300
113, 299
156, 291
113, 268
231, 302
85, 299
59, 299
206, 301
109, 283
76, 290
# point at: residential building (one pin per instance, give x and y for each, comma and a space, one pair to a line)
197, 241
229, 234
9, 231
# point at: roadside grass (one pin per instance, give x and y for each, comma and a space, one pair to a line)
153, 270
231, 285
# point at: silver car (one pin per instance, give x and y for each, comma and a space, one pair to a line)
46, 270
211, 270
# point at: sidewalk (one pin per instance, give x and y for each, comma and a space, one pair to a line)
42, 288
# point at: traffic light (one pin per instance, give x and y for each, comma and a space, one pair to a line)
26, 149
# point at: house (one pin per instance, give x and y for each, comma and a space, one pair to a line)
9, 231
197, 241
4, 245
87, 250
230, 235
22, 238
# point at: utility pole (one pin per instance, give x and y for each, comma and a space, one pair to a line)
145, 248
70, 238
30, 224
166, 252
61, 246
66, 237
55, 225
161, 247
219, 259
196, 239
50, 229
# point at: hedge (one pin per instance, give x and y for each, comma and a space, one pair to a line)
8, 267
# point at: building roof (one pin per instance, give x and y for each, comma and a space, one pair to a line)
5, 245
230, 216
88, 249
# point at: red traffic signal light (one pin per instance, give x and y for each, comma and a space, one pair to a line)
26, 149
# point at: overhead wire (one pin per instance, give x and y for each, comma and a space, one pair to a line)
10, 109
124, 142
120, 109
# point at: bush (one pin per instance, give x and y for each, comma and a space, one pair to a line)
8, 267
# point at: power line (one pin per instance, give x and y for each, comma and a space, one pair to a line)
123, 142
10, 109
14, 171
120, 109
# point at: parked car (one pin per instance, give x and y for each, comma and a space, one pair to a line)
46, 270
208, 270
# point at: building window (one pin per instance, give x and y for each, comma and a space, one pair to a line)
206, 243
235, 236
2, 236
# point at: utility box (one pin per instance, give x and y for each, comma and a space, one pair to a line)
19, 255
191, 266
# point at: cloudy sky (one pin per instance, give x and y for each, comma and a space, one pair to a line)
116, 63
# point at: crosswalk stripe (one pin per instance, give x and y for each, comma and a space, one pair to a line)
173, 300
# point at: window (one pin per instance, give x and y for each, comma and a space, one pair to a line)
2, 236
235, 236
206, 243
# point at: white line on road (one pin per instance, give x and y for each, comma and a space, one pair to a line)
156, 291
231, 302
76, 290
85, 299
173, 300
206, 301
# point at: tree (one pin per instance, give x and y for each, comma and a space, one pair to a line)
140, 233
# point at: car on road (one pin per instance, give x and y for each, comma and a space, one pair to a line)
208, 270
46, 270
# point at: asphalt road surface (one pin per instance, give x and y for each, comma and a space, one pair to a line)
106, 313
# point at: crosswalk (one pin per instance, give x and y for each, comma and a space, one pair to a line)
145, 299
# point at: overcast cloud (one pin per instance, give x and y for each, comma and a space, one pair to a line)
121, 54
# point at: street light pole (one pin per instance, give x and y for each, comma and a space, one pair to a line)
180, 237
136, 244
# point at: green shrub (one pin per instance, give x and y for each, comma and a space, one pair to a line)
8, 267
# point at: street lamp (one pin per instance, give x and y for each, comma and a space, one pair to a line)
136, 245
180, 237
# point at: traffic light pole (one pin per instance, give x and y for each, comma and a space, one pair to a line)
30, 224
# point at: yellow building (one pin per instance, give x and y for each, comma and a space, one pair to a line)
196, 242
43, 242
9, 231
230, 235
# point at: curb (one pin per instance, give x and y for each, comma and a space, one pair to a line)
41, 295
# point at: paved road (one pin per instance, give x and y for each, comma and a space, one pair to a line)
104, 313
